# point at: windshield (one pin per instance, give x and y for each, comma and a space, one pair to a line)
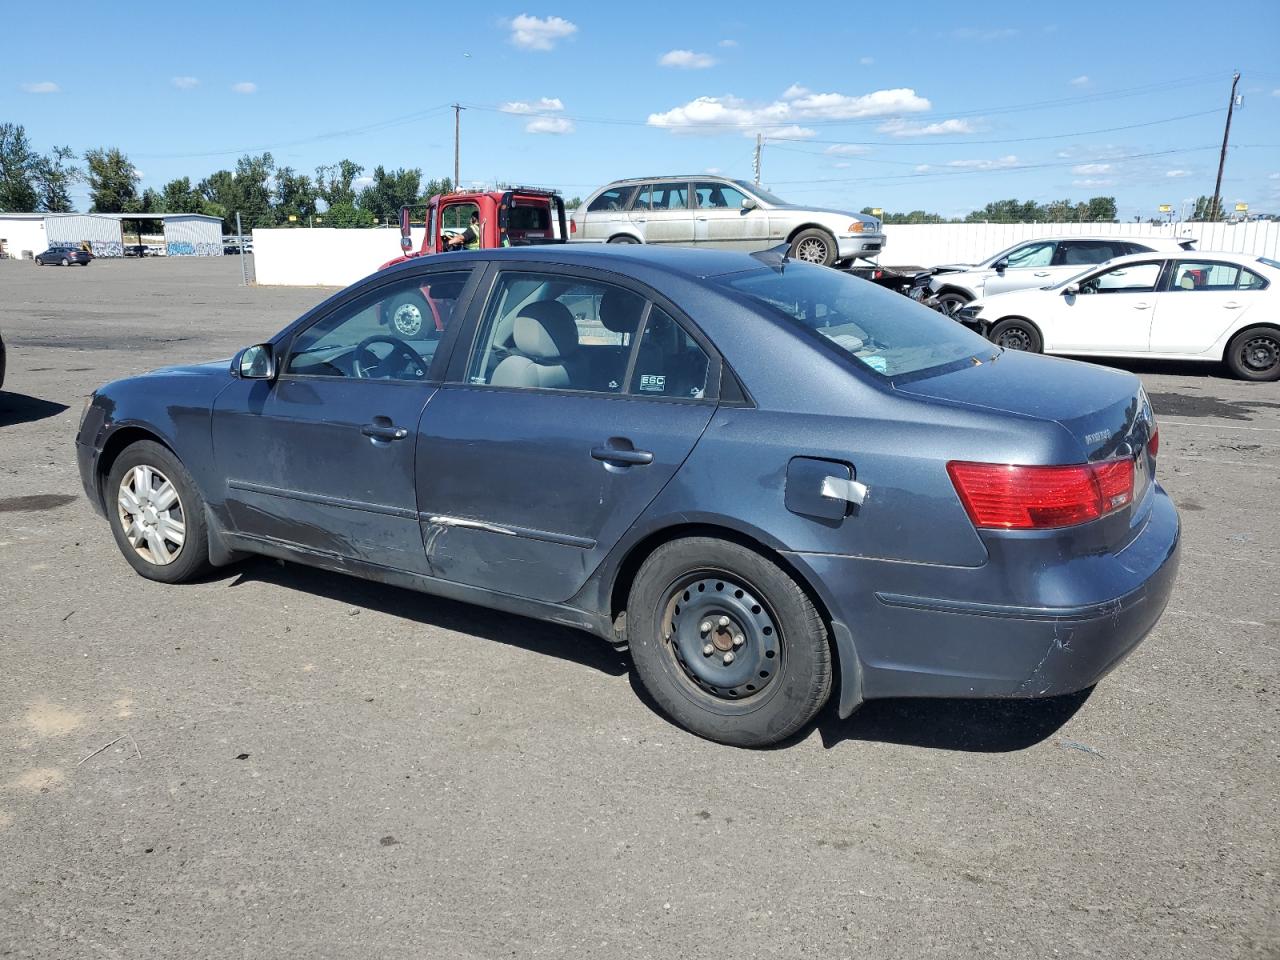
760, 192
1269, 262
882, 330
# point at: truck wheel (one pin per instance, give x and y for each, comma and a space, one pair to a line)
1254, 354
727, 643
406, 314
814, 246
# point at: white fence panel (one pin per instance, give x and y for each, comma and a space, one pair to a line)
323, 256
929, 244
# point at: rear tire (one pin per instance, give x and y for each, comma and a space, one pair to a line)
66, 262
769, 666
1016, 334
623, 238
408, 314
157, 514
814, 246
1254, 354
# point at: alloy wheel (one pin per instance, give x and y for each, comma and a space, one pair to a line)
812, 250
722, 636
151, 515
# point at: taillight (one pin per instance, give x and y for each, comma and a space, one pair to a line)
573, 226
1153, 445
1009, 497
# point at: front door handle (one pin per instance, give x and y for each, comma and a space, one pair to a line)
1141, 306
1233, 305
383, 429
1043, 273
622, 456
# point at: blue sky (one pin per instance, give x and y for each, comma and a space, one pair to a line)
935, 106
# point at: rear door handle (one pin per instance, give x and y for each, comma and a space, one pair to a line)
621, 456
383, 429
1141, 306
1043, 273
703, 219
1233, 305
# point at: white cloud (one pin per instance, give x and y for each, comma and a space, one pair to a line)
780, 117
1273, 176
922, 168
1000, 163
790, 132
359, 183
1093, 182
1080, 81
244, 86
686, 60
713, 170
847, 149
903, 128
541, 105
555, 125
727, 43
842, 165
185, 83
43, 86
1276, 92
1177, 173
534, 33
1092, 168
866, 61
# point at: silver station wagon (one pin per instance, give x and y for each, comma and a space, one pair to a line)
709, 211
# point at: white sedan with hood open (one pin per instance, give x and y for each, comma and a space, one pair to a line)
1219, 307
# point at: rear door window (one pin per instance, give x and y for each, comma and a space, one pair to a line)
1084, 252
1204, 276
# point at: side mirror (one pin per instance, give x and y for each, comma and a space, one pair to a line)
1001, 266
256, 363
749, 203
1071, 290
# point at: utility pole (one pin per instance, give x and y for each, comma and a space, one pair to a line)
1215, 209
457, 128
755, 164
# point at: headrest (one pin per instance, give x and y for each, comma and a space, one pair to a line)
1187, 282
545, 330
620, 310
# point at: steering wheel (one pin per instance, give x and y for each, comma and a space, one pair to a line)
368, 365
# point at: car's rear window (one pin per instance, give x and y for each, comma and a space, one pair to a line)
881, 329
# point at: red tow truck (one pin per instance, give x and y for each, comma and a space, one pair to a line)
515, 217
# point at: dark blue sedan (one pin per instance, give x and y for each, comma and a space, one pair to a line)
768, 479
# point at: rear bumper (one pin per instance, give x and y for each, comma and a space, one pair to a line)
919, 631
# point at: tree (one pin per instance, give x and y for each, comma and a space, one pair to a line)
294, 194
347, 215
389, 192
1101, 209
54, 176
179, 196
113, 182
252, 193
1206, 209
219, 192
434, 187
17, 167
333, 182
915, 216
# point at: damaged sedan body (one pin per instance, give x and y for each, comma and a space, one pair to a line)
775, 484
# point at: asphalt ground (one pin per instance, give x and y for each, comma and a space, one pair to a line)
306, 765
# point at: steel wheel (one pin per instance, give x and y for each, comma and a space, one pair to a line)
723, 638
1260, 355
1015, 338
407, 319
1016, 334
151, 515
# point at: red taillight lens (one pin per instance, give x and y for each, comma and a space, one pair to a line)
573, 226
1153, 445
1010, 497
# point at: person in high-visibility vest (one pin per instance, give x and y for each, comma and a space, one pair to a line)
469, 239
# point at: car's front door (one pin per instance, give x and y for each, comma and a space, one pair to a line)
1111, 313
322, 458
1025, 266
661, 212
535, 459
1202, 301
720, 220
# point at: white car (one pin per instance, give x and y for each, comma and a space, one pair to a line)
1036, 263
1219, 307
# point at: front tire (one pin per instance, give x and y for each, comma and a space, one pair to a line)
66, 262
407, 314
157, 514
951, 302
623, 238
1016, 334
727, 643
814, 246
1254, 354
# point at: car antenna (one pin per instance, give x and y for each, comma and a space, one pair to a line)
775, 258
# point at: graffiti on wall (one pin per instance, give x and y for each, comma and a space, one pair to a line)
184, 248
107, 248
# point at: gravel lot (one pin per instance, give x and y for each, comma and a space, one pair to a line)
312, 766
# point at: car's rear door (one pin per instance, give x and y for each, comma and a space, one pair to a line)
532, 468
1203, 299
662, 212
322, 458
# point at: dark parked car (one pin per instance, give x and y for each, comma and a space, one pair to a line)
3, 362
64, 256
767, 478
